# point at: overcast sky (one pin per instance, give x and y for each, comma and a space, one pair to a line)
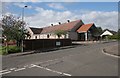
41, 14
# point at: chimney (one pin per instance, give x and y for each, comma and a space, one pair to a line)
68, 21
51, 24
59, 23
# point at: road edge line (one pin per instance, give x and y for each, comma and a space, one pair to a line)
110, 54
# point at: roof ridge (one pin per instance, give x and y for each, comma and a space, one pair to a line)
88, 23
61, 24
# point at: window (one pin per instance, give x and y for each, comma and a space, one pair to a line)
35, 37
48, 36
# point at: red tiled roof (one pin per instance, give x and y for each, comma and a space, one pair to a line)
85, 27
64, 26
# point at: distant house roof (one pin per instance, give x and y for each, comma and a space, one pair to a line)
36, 30
113, 32
64, 26
85, 27
108, 32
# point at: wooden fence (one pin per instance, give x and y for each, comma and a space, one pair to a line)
40, 44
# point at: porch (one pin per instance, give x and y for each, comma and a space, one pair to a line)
88, 36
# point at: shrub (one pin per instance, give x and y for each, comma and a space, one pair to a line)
59, 33
3, 50
13, 49
10, 49
117, 37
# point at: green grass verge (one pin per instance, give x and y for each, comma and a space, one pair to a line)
3, 50
9, 50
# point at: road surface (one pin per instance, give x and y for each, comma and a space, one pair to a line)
81, 60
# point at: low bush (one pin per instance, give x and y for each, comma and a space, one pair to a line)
3, 50
8, 50
13, 49
117, 37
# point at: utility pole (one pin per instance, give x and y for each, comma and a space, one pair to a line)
22, 27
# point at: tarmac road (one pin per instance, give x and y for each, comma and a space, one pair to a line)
82, 60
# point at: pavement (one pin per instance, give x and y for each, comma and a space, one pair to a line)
81, 60
112, 49
91, 42
37, 51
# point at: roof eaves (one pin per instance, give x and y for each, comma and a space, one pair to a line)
82, 31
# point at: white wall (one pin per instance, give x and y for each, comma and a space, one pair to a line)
51, 36
106, 33
33, 36
36, 36
31, 33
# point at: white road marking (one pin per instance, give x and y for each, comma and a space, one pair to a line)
57, 72
67, 74
31, 66
110, 54
5, 72
20, 69
52, 70
12, 69
26, 66
35, 65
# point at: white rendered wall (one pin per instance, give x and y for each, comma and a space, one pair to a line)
106, 33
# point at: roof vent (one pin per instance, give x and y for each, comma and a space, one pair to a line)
51, 24
68, 21
59, 23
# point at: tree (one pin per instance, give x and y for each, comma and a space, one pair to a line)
14, 28
59, 33
100, 30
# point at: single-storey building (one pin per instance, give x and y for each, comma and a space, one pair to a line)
107, 33
75, 30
